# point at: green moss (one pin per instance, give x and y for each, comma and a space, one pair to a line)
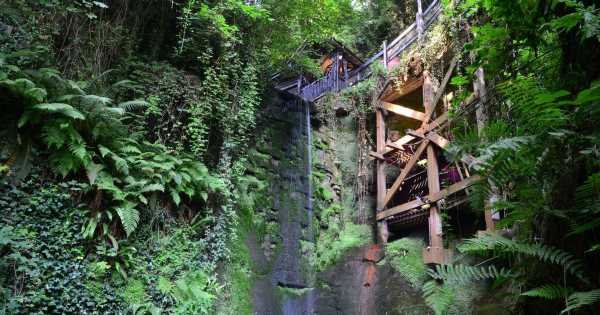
334, 242
134, 292
405, 256
236, 297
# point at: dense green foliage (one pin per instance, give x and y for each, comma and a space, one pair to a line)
537, 151
130, 182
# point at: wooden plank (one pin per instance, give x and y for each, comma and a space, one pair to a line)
392, 92
411, 163
441, 88
437, 139
393, 145
452, 189
380, 137
377, 155
399, 143
403, 111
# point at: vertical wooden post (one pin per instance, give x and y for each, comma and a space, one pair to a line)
382, 228
336, 71
436, 246
435, 221
419, 19
385, 55
481, 115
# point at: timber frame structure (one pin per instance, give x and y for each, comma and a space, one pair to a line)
431, 117
413, 196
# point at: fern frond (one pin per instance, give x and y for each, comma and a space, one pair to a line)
133, 105
549, 292
95, 99
60, 108
465, 274
579, 299
491, 242
438, 298
129, 217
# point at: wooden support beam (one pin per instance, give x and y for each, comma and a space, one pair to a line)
377, 155
403, 111
398, 143
393, 145
433, 181
382, 228
437, 139
441, 89
452, 189
409, 166
392, 92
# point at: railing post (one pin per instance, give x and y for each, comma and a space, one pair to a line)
419, 19
385, 55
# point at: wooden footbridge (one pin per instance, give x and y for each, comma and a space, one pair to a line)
426, 179
340, 76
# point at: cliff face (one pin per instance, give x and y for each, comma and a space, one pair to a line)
316, 254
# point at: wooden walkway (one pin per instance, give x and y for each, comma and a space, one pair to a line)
332, 82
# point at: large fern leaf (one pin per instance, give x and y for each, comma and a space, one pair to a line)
492, 242
129, 217
438, 298
549, 292
133, 105
60, 108
465, 273
579, 299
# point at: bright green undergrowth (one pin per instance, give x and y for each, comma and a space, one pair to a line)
405, 256
334, 242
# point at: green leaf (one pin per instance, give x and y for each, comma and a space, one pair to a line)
129, 217
92, 171
153, 187
175, 196
37, 94
60, 108
132, 105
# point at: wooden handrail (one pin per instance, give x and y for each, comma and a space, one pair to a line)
317, 88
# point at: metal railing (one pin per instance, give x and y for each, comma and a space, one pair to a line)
333, 83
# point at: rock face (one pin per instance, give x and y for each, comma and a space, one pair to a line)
285, 278
357, 285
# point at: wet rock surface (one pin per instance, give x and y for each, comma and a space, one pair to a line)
357, 285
